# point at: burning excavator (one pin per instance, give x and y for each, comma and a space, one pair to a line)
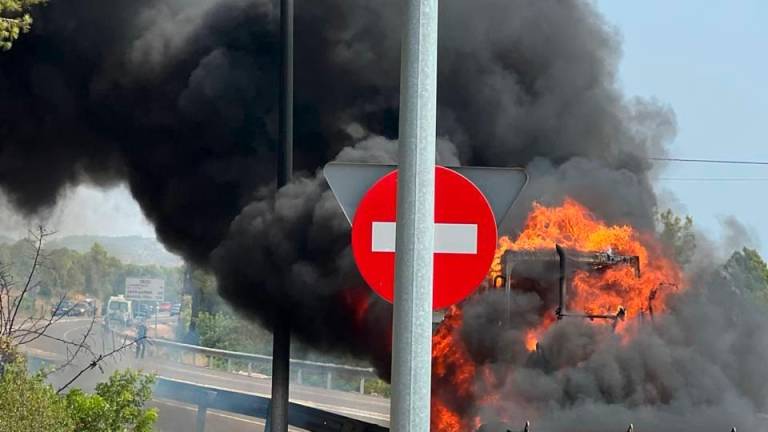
581, 269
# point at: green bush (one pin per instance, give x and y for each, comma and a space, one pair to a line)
378, 387
29, 404
116, 406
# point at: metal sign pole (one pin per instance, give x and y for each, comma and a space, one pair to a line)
412, 328
281, 333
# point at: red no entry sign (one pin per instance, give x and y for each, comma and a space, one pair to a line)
465, 237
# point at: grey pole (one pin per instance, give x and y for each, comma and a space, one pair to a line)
412, 332
281, 333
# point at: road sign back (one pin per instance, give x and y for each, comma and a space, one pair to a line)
465, 237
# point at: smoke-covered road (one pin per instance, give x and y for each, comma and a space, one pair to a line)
175, 416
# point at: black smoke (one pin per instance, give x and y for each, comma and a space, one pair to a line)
699, 366
178, 99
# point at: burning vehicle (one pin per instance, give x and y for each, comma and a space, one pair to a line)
178, 101
574, 267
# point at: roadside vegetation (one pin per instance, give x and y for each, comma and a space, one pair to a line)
15, 19
745, 271
67, 273
28, 402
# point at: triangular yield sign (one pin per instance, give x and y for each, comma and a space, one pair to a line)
350, 181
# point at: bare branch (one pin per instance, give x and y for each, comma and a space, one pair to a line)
97, 360
66, 342
53, 319
80, 346
39, 239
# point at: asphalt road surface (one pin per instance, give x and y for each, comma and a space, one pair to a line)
175, 416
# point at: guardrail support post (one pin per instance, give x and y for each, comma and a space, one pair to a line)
250, 368
299, 377
202, 410
362, 385
328, 379
229, 365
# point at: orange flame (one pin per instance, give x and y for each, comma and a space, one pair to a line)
575, 228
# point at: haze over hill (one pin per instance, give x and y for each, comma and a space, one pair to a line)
128, 249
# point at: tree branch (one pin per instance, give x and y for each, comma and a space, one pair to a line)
83, 344
40, 238
98, 359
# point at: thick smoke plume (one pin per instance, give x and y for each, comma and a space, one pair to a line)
178, 99
700, 366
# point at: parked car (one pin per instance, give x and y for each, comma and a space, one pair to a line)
62, 308
80, 309
70, 308
147, 309
176, 309
165, 307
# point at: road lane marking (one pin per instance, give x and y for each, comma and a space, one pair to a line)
210, 411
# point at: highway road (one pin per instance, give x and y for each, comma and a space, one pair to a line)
175, 416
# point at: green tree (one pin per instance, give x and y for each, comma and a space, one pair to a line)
96, 263
747, 270
678, 236
15, 20
220, 330
118, 405
29, 404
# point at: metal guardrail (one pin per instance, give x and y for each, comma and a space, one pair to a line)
210, 397
300, 416
250, 359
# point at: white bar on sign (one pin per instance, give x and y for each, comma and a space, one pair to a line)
383, 237
455, 238
450, 238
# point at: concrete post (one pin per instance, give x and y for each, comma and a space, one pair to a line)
202, 410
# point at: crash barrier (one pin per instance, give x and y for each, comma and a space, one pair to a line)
527, 428
250, 364
214, 398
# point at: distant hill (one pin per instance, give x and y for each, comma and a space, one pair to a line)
130, 249
6, 240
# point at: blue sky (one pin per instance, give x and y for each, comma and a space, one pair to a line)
708, 60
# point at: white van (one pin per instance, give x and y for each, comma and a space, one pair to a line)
119, 310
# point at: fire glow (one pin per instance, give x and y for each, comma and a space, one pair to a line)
574, 227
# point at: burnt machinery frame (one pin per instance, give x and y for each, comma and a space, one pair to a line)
577, 260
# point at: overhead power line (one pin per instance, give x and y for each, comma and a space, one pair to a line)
715, 179
710, 161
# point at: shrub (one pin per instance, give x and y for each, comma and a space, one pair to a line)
29, 404
116, 406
